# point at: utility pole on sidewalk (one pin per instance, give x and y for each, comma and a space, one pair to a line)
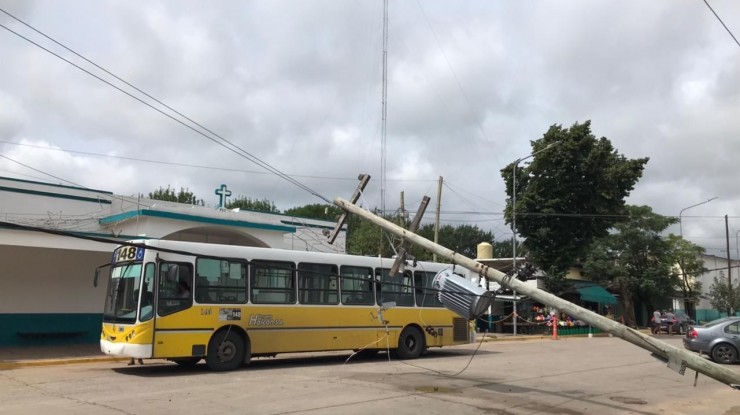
730, 312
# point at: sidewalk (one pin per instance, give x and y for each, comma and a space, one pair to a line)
29, 356
25, 356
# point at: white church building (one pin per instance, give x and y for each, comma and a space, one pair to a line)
53, 237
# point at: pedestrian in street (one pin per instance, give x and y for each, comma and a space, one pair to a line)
656, 322
670, 319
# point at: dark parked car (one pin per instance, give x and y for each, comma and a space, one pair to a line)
720, 339
680, 323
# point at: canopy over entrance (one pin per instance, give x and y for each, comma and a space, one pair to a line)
595, 293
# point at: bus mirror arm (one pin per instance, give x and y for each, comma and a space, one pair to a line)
97, 274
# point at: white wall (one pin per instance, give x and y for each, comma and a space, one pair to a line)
42, 280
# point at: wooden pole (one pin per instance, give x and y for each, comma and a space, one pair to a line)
675, 356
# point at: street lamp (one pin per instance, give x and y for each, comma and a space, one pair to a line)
680, 227
513, 219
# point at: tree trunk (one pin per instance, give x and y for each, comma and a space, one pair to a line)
628, 306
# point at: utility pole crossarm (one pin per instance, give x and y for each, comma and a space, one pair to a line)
364, 179
405, 245
664, 350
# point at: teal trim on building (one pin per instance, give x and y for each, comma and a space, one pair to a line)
55, 195
61, 186
90, 234
193, 218
47, 329
310, 225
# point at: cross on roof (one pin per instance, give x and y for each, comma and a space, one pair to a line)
222, 193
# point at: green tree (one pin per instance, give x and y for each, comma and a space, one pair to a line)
243, 202
503, 249
463, 239
688, 265
719, 294
169, 195
634, 260
569, 195
316, 211
366, 238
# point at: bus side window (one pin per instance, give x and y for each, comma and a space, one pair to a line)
175, 288
356, 285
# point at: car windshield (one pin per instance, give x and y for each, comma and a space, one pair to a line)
123, 294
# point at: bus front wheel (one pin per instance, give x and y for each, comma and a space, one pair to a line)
225, 351
410, 343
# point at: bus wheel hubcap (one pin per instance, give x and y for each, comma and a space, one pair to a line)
226, 352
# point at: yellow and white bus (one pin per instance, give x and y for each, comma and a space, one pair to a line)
185, 301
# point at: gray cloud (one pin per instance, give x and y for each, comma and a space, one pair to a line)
297, 84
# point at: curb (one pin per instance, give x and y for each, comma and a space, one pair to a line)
542, 337
10, 364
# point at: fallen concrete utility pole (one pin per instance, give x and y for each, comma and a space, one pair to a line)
678, 359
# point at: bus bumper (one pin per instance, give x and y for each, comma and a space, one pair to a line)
141, 351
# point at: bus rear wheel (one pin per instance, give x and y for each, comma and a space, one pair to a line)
410, 343
225, 351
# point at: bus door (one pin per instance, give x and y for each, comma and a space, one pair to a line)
146, 301
174, 282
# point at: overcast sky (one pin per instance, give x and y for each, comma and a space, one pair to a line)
298, 84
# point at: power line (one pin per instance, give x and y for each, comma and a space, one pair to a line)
197, 166
121, 199
452, 71
231, 146
723, 23
39, 171
85, 153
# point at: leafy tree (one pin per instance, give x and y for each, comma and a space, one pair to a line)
243, 202
366, 238
719, 294
316, 211
503, 249
569, 195
463, 239
169, 195
689, 265
634, 260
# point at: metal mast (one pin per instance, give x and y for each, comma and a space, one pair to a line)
384, 108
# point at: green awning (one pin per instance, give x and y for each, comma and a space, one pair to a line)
595, 293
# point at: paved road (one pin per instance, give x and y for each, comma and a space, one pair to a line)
570, 376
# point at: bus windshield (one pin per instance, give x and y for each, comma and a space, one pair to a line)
122, 300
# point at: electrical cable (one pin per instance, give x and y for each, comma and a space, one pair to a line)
39, 171
723, 23
231, 146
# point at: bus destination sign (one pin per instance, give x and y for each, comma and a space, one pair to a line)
128, 253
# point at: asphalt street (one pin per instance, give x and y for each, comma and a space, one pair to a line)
568, 376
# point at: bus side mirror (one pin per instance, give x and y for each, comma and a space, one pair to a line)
97, 274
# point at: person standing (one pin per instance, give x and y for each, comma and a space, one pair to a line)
656, 322
670, 319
